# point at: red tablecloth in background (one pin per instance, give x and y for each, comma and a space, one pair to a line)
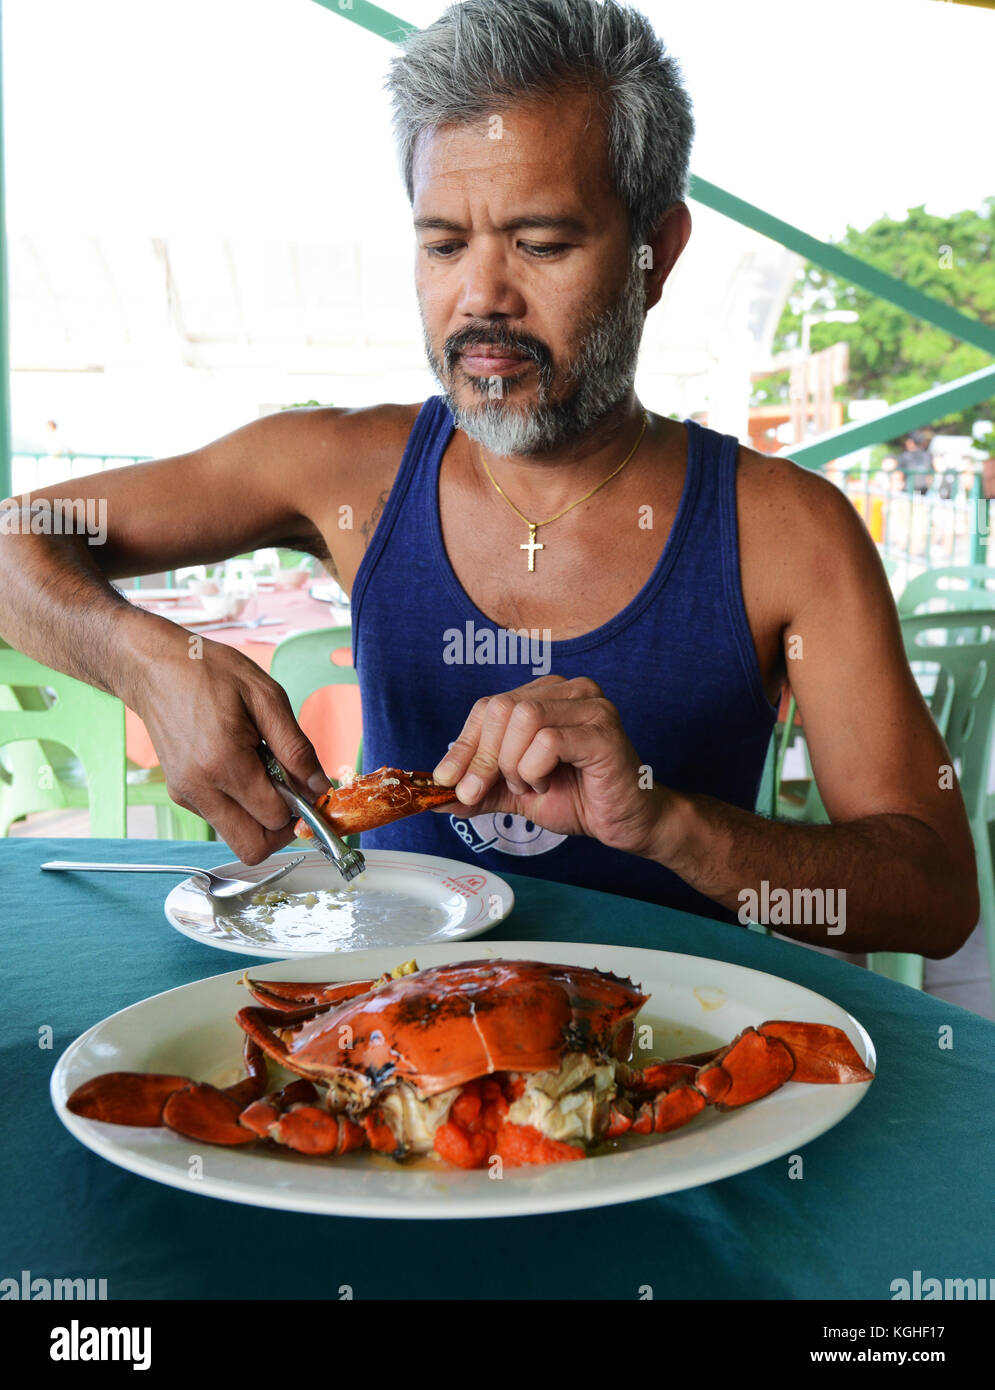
331, 717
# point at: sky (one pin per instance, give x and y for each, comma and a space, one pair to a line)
268, 115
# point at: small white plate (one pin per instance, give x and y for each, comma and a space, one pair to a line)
327, 591
401, 901
695, 1004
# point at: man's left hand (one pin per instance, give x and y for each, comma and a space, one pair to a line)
555, 752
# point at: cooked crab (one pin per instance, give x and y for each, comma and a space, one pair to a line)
521, 1060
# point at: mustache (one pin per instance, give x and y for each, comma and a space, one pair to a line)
501, 339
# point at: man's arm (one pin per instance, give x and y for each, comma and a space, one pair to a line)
899, 843
899, 848
205, 704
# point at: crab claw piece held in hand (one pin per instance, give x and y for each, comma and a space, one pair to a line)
377, 799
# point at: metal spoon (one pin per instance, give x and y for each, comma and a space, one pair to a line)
215, 885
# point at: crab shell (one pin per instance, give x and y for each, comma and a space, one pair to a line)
447, 1025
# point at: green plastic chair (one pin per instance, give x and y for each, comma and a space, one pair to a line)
951, 588
795, 800
765, 805
303, 664
63, 746
962, 702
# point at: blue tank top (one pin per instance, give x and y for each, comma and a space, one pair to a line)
678, 662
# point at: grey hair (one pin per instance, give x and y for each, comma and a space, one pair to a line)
486, 54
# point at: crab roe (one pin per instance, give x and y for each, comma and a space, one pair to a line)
478, 1129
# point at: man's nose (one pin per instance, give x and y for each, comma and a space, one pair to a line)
488, 286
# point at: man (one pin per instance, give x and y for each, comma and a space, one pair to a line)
659, 582
917, 461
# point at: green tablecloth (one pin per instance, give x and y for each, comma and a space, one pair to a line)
902, 1184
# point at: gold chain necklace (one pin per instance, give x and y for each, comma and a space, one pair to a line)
532, 545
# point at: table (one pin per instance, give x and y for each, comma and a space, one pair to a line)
331, 718
902, 1184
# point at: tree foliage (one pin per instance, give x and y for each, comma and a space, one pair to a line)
893, 355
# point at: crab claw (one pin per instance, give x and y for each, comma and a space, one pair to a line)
376, 799
757, 1062
753, 1065
206, 1114
822, 1053
143, 1098
125, 1097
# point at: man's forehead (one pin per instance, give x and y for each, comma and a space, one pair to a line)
552, 153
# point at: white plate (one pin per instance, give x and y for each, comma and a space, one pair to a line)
156, 595
400, 901
339, 607
695, 1004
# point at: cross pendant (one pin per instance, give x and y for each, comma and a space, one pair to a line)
532, 546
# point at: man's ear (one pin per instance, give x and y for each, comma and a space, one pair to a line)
664, 246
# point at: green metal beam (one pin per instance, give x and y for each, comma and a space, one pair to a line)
906, 415
372, 17
829, 257
5, 483
820, 253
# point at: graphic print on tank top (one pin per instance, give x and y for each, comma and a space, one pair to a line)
677, 662
506, 833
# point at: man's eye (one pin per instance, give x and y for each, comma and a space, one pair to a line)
541, 250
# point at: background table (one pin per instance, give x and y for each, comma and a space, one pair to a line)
902, 1184
331, 718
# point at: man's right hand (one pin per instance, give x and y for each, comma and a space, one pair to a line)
206, 717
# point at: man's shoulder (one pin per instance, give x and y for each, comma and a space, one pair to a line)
371, 425
360, 445
778, 491
800, 535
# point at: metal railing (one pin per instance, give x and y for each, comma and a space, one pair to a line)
32, 470
946, 524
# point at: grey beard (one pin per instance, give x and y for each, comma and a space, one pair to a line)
600, 378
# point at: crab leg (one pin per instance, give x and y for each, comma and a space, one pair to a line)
144, 1098
267, 1027
255, 1082
292, 1117
294, 995
376, 799
754, 1064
